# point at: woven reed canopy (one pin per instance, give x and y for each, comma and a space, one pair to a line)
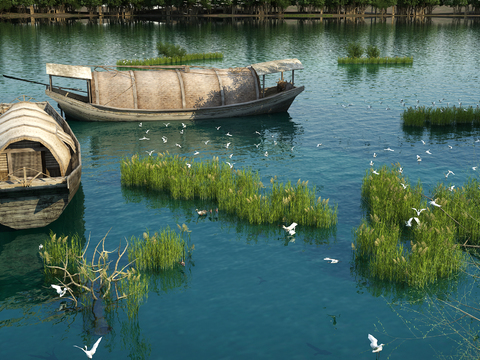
27, 121
272, 67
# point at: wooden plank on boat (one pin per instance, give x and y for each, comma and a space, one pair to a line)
71, 71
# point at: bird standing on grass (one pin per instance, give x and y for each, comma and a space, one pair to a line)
92, 351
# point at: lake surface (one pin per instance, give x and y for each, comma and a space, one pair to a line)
249, 292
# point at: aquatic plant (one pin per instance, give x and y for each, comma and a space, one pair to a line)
354, 50
60, 251
373, 51
382, 242
171, 60
238, 192
441, 116
160, 251
171, 50
376, 61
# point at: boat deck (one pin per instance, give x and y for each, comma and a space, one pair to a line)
30, 182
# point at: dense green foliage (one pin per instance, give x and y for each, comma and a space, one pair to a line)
354, 50
171, 60
423, 252
248, 6
376, 61
171, 50
238, 192
441, 116
373, 51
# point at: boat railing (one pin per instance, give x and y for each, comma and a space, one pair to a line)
24, 180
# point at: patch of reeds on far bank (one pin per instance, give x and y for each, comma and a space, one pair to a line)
394, 247
441, 116
239, 192
376, 60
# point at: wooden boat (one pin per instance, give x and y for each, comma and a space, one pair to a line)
40, 164
174, 93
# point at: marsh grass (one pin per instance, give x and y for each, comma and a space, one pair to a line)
441, 116
59, 251
417, 255
376, 60
160, 251
238, 192
171, 60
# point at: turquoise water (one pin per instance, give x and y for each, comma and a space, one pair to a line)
249, 293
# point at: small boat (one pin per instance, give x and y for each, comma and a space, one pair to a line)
40, 164
173, 92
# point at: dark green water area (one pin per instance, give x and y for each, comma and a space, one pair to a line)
249, 291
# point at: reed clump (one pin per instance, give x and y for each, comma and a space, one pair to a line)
59, 251
238, 192
171, 60
160, 251
382, 243
441, 116
376, 60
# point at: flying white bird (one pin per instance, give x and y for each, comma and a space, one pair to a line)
92, 351
450, 146
257, 145
40, 247
403, 185
228, 134
474, 168
230, 156
196, 153
184, 126
374, 155
376, 173
256, 132
318, 145
218, 127
181, 132
189, 165
166, 125
451, 187
59, 290
206, 142
409, 222
374, 344
423, 142
428, 152
226, 146
332, 261
292, 148
448, 173
371, 163
144, 138
418, 211
146, 132
231, 165
149, 152
434, 203
419, 158
164, 139
266, 153
140, 125
400, 170
388, 149
178, 145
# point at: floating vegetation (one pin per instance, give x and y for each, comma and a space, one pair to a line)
376, 60
382, 242
171, 60
441, 116
160, 251
238, 192
58, 252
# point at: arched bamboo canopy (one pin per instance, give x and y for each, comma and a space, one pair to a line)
27, 121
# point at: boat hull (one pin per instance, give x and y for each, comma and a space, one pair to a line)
82, 111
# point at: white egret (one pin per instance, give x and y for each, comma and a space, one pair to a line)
40, 247
290, 227
257, 145
448, 173
226, 146
451, 187
409, 222
184, 126
206, 142
318, 145
374, 155
374, 344
376, 173
428, 152
140, 125
388, 149
419, 158
371, 163
474, 168
144, 138
434, 203
59, 290
450, 147
332, 261
228, 134
400, 170
189, 165
196, 153
292, 148
149, 152
266, 153
418, 211
218, 128
146, 132
231, 165
230, 156
178, 145
423, 142
256, 132
181, 132
166, 125
92, 351
403, 185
